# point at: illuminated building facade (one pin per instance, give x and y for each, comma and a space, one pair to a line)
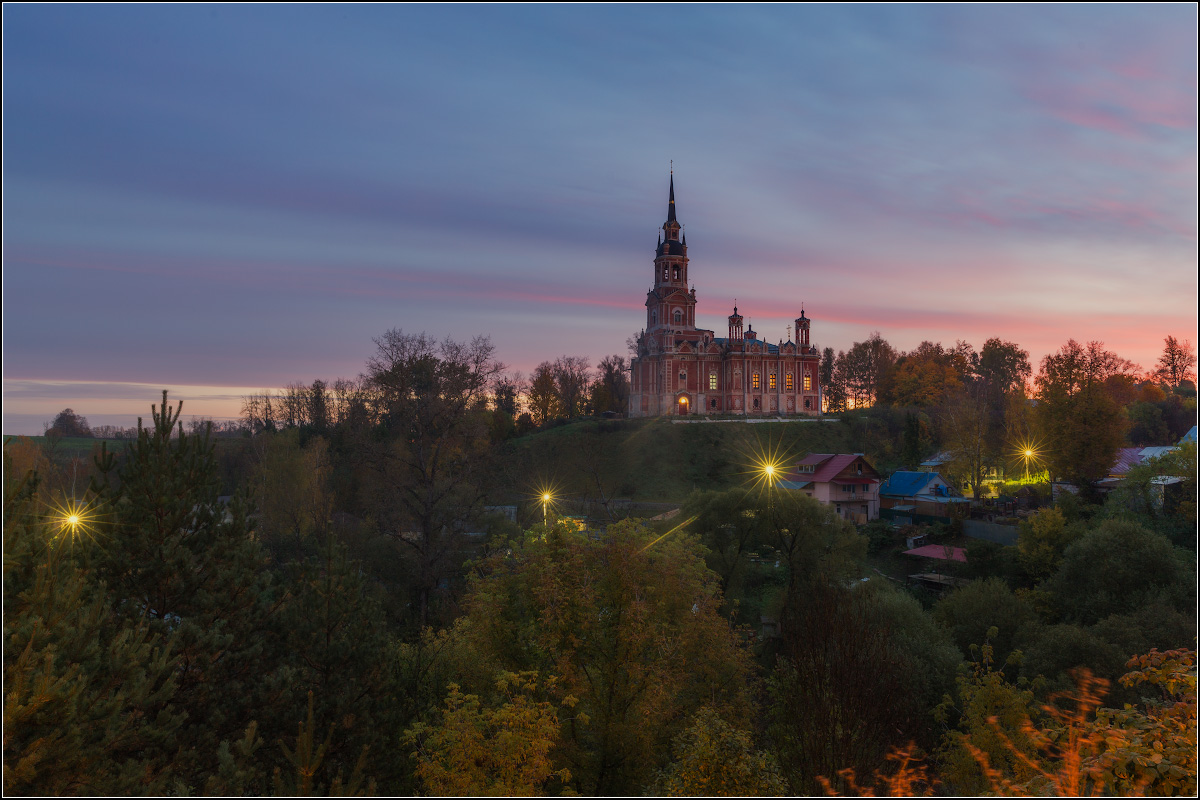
683, 369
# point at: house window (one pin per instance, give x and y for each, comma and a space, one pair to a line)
754, 381
712, 381
791, 384
772, 381
807, 382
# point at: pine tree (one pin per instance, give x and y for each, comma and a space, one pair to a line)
184, 565
87, 695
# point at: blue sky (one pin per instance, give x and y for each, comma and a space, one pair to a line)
222, 198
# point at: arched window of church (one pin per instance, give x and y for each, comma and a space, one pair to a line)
678, 317
791, 383
772, 381
807, 403
654, 317
754, 381
807, 382
665, 272
677, 273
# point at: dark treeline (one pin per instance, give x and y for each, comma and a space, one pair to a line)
358, 616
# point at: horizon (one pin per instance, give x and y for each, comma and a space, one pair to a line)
222, 199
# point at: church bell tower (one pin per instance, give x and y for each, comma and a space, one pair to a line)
670, 305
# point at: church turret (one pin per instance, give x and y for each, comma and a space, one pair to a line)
802, 323
735, 326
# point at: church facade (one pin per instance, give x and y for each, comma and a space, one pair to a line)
683, 369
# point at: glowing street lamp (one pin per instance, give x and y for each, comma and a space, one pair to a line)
546, 498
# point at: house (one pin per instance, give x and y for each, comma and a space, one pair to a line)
1128, 458
846, 481
907, 496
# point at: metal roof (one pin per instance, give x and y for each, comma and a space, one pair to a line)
907, 484
939, 551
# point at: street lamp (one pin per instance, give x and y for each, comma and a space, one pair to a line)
546, 498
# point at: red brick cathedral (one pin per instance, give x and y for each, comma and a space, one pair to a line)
682, 369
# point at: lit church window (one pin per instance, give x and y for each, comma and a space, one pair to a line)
808, 383
791, 384
712, 381
754, 381
772, 381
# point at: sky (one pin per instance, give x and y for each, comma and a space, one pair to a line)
218, 199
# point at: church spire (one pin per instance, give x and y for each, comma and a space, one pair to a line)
671, 202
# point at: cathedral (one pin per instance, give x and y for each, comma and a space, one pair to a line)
683, 369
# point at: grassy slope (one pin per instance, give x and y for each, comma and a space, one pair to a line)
655, 460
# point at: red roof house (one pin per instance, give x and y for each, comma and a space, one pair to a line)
846, 481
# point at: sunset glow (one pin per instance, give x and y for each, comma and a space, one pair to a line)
177, 219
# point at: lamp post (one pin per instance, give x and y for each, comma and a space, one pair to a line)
545, 500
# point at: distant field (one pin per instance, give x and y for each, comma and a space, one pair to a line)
72, 447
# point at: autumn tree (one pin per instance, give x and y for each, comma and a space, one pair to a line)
926, 376
430, 453
476, 750
612, 385
863, 368
1177, 362
572, 376
544, 402
1081, 425
629, 625
711, 758
965, 427
1042, 540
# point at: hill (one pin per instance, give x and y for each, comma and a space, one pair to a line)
661, 461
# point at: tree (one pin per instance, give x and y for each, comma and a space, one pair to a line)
965, 425
544, 402
505, 394
430, 455
832, 392
572, 375
1117, 567
986, 610
1177, 362
614, 376
630, 626
714, 759
926, 376
87, 694
68, 423
475, 750
180, 562
863, 368
838, 698
1081, 425
1042, 540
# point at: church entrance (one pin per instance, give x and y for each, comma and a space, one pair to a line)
683, 405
